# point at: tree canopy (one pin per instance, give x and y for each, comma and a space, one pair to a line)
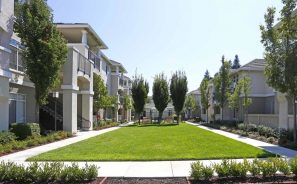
236, 62
221, 84
178, 91
280, 43
160, 93
140, 90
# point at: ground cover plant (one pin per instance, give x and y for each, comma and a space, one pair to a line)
154, 142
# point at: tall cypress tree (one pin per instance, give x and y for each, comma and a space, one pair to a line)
236, 62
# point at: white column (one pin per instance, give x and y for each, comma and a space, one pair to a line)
4, 103
70, 110
87, 109
282, 111
84, 37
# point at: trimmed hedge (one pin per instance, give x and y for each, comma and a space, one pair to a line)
24, 130
55, 171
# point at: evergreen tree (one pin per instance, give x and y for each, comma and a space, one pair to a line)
206, 75
281, 51
45, 50
178, 91
160, 94
236, 63
140, 89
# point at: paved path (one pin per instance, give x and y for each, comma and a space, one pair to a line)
284, 152
138, 168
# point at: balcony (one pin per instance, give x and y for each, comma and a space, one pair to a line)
93, 57
84, 65
16, 61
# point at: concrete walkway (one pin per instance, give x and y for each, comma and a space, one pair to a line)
284, 152
138, 168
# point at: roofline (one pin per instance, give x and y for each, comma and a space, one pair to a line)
115, 63
83, 25
246, 69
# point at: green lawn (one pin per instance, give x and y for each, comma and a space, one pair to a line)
165, 142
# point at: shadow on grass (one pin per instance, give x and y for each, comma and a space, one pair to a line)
153, 125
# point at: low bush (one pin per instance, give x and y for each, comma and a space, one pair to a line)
238, 169
255, 168
201, 172
33, 141
268, 168
7, 137
11, 172
293, 165
223, 169
25, 130
267, 131
281, 165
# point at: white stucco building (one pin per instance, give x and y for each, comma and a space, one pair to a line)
74, 105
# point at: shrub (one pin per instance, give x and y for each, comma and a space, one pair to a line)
267, 168
91, 172
255, 167
281, 165
266, 131
24, 130
252, 127
241, 126
271, 140
200, 172
238, 169
7, 137
223, 169
293, 165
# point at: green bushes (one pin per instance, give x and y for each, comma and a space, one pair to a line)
31, 141
231, 168
56, 171
7, 137
24, 130
104, 124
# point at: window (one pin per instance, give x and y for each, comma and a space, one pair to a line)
17, 108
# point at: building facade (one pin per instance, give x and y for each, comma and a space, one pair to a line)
70, 106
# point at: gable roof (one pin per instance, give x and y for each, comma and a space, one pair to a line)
254, 65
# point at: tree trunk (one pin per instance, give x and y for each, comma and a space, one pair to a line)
295, 126
36, 112
177, 118
160, 117
222, 111
207, 115
139, 118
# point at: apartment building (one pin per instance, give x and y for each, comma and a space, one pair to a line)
71, 106
269, 107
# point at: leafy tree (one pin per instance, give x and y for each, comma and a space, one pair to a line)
45, 50
178, 91
205, 95
160, 93
280, 43
190, 103
140, 89
245, 84
127, 105
100, 92
236, 63
221, 85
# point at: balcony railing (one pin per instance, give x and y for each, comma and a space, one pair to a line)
16, 61
93, 57
84, 65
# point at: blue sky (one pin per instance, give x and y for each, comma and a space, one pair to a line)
156, 36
